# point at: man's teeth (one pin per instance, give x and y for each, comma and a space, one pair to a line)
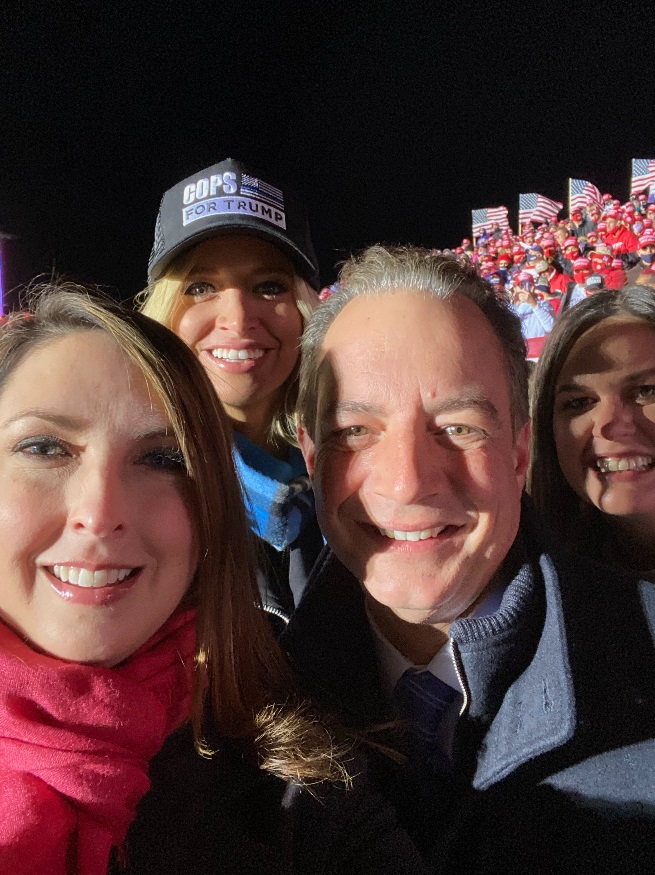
237, 355
635, 463
90, 579
419, 535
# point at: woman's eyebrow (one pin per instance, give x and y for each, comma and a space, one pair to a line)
156, 433
72, 423
568, 387
641, 375
59, 419
578, 382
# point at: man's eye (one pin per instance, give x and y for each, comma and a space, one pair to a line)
165, 459
42, 446
352, 431
200, 290
350, 437
458, 430
645, 394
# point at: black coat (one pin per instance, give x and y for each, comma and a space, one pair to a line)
223, 815
282, 575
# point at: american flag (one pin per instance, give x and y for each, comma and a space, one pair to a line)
254, 187
581, 193
484, 220
537, 208
643, 174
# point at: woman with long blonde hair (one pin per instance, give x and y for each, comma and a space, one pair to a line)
233, 273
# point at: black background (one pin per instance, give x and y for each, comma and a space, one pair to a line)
393, 119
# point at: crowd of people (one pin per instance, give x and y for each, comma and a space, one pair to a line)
549, 267
332, 582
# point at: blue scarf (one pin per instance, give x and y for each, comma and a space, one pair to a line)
277, 494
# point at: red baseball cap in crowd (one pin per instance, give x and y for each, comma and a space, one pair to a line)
582, 263
612, 214
647, 239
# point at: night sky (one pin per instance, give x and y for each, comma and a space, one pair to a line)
393, 119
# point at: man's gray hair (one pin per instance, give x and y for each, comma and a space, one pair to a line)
384, 270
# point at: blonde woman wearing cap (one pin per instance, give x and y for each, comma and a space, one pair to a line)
234, 274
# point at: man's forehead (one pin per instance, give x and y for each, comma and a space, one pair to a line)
393, 318
383, 350
398, 311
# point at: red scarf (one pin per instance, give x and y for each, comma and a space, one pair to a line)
75, 742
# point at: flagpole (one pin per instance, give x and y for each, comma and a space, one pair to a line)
569, 197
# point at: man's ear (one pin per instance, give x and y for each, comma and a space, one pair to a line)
307, 447
522, 453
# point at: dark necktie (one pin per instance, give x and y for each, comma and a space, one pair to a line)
422, 699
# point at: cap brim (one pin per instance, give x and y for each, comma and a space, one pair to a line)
244, 225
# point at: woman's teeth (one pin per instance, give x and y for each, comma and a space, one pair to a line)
237, 355
417, 535
636, 463
90, 579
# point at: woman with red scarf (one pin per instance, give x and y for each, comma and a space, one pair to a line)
120, 516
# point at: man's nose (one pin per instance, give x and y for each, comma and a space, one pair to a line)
406, 467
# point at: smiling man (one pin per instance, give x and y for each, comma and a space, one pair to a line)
418, 468
440, 603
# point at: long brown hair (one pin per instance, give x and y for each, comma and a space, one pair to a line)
578, 523
244, 687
